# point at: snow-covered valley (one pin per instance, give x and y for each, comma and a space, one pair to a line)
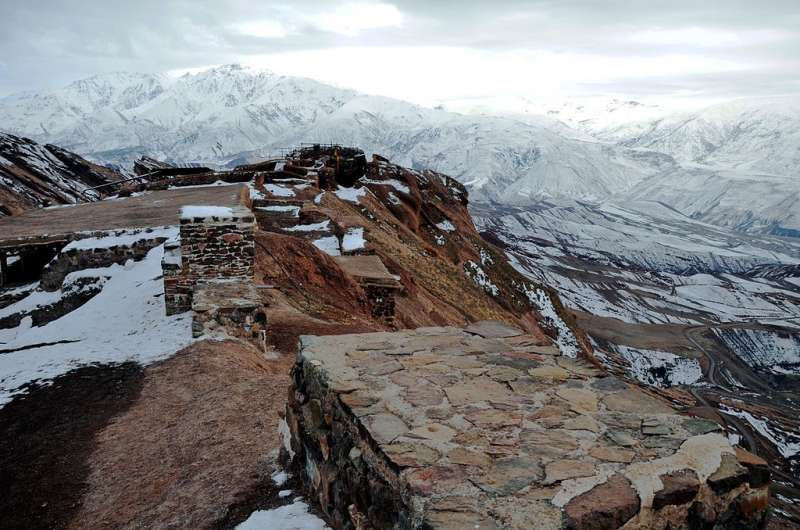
672, 301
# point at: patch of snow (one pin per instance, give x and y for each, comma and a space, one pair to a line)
255, 193
189, 212
396, 184
286, 437
329, 245
393, 198
353, 239
477, 274
350, 194
734, 438
278, 191
284, 493
294, 210
126, 238
315, 227
279, 478
295, 516
318, 198
124, 321
446, 226
660, 368
440, 240
566, 340
212, 185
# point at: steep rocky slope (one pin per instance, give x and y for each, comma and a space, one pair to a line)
34, 175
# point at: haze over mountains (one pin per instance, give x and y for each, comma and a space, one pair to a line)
732, 164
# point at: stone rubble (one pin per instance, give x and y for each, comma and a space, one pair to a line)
484, 427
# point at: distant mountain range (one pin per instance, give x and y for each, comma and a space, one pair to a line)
733, 164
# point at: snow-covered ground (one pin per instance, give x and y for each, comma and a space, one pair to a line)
293, 516
787, 443
125, 237
776, 352
124, 321
653, 267
660, 368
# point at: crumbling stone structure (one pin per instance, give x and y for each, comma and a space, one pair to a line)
75, 258
216, 243
236, 308
380, 286
486, 427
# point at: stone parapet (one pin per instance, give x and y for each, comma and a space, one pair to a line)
488, 428
216, 243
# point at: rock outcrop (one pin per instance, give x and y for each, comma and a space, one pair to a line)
34, 175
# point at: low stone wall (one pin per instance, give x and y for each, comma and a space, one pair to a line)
199, 179
382, 298
76, 259
215, 244
488, 428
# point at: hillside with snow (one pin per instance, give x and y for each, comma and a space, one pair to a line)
34, 175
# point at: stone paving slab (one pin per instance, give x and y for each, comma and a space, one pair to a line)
455, 429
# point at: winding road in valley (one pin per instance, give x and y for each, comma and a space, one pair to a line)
761, 393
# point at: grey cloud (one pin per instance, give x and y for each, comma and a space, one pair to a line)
46, 43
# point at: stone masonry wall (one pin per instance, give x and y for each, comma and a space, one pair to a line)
76, 259
211, 248
382, 298
488, 428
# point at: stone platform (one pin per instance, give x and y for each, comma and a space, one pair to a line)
156, 208
486, 428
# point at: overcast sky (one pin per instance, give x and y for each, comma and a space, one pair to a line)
425, 51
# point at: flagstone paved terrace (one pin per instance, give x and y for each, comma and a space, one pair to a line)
485, 427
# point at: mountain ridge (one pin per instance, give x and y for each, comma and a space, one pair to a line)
232, 114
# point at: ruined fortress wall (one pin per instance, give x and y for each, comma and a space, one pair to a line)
382, 298
76, 259
214, 245
441, 428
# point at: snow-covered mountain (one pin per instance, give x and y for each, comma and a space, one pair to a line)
34, 175
231, 114
706, 164
738, 163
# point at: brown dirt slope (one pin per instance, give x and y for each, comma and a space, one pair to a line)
47, 437
194, 443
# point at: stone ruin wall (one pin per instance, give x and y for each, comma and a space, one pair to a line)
210, 248
77, 259
437, 428
382, 298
